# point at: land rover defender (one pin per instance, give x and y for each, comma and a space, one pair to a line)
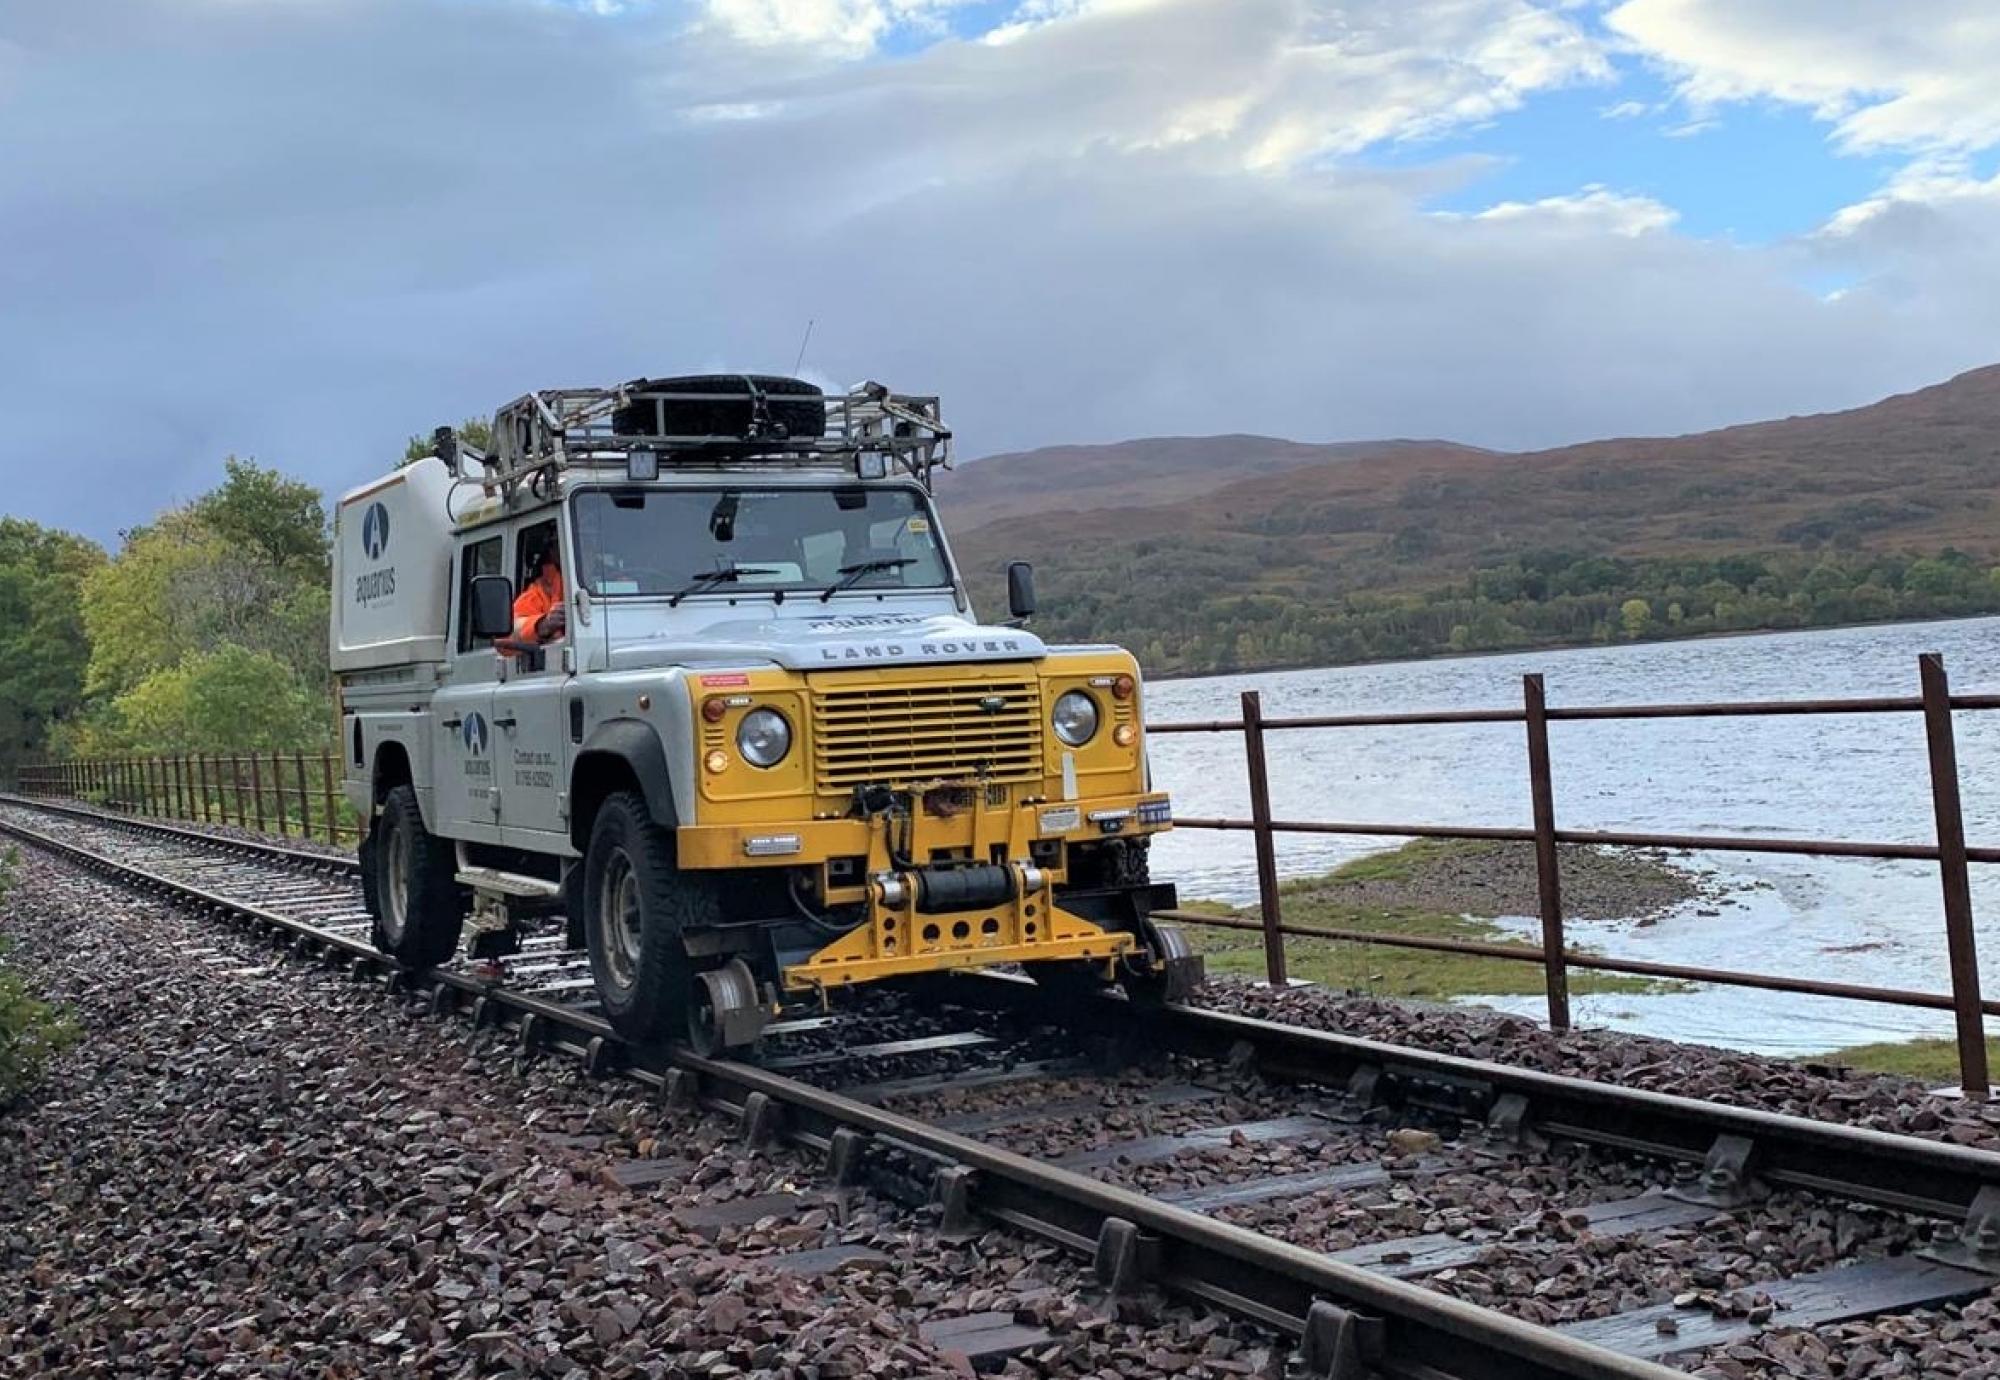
766, 752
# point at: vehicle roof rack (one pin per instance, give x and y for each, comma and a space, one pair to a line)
573, 428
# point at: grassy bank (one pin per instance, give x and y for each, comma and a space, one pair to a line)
1933, 1061
1447, 890
31, 1031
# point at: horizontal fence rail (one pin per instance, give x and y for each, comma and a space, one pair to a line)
296, 792
1951, 853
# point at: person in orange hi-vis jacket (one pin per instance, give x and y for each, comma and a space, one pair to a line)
538, 609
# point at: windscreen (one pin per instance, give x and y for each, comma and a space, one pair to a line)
719, 540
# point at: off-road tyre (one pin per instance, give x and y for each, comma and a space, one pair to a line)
371, 893
794, 404
637, 905
419, 909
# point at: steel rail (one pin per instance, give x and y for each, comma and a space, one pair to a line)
1906, 1173
295, 857
1402, 1329
1854, 1162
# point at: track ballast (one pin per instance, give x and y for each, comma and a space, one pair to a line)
1272, 1171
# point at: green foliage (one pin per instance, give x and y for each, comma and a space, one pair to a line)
1933, 1061
225, 699
43, 654
31, 1031
476, 432
280, 522
1204, 606
208, 629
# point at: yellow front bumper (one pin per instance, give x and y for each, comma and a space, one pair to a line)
898, 942
897, 938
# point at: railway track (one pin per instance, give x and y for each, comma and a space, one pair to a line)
1192, 1175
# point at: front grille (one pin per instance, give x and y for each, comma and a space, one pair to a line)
986, 728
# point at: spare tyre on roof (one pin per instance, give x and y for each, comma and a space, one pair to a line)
724, 406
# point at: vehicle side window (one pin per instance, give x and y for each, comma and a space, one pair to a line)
479, 558
529, 547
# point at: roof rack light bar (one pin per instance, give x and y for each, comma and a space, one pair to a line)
563, 428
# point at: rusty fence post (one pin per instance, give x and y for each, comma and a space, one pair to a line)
1973, 1076
278, 793
257, 788
201, 767
305, 799
326, 787
1267, 851
1548, 866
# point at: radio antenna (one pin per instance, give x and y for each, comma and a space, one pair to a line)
802, 346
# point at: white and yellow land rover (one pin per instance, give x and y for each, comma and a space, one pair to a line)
766, 752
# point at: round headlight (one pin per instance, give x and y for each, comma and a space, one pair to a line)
1075, 718
763, 737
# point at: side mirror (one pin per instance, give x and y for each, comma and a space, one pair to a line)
1020, 589
492, 606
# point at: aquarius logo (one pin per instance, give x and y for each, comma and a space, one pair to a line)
375, 531
474, 734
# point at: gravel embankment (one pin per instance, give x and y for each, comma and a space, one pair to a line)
1722, 1261
274, 1172
251, 1167
1821, 1092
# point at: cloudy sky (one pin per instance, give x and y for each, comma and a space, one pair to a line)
305, 229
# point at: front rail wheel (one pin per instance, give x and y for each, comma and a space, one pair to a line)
1166, 969
417, 906
637, 906
726, 1012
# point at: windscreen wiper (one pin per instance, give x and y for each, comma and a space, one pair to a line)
850, 575
722, 575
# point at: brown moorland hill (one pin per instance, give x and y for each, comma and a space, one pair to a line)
1169, 564
1142, 473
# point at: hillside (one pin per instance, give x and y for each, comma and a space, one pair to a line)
1153, 471
1404, 548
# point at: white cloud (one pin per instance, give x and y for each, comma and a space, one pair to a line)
1593, 210
1626, 110
1266, 85
1129, 220
1903, 75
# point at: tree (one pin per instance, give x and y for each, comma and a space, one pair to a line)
1636, 615
282, 521
228, 698
476, 432
43, 651
228, 591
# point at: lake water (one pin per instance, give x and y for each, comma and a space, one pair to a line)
1858, 777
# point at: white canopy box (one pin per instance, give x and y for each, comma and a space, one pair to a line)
392, 543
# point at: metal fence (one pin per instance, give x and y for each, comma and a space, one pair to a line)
298, 793
1935, 702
